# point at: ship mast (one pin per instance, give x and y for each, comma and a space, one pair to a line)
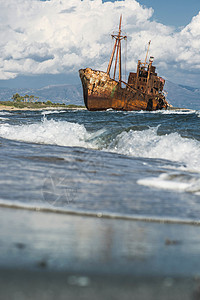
145, 62
117, 49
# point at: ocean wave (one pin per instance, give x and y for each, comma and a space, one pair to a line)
149, 144
179, 112
51, 132
48, 112
4, 119
5, 113
144, 143
166, 112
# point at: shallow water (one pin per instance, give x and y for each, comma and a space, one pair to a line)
140, 164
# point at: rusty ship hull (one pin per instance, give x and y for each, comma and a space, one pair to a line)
101, 92
143, 91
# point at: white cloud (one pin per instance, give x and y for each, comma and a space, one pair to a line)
58, 36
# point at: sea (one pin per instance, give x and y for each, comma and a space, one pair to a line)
114, 164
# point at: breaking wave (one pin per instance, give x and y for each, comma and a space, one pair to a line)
49, 112
48, 132
149, 144
166, 112
5, 113
4, 119
146, 143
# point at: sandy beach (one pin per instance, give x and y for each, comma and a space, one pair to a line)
12, 108
48, 256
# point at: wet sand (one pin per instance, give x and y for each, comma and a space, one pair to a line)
54, 256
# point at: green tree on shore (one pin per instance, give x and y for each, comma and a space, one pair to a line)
17, 98
31, 98
26, 98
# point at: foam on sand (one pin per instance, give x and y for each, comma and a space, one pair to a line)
168, 181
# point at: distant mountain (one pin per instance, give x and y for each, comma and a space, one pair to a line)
178, 95
183, 96
65, 93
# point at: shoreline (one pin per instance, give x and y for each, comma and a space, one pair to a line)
73, 256
13, 108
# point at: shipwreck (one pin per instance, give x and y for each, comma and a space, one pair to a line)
143, 91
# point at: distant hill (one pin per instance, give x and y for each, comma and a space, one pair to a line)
178, 95
65, 93
183, 96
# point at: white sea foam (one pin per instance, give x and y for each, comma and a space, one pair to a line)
149, 144
5, 113
179, 112
48, 112
166, 112
161, 183
167, 182
4, 119
146, 143
172, 147
52, 132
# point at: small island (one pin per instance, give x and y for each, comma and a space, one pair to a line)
32, 103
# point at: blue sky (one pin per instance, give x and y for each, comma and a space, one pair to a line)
46, 42
172, 12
